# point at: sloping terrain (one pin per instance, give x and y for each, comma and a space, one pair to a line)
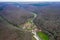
15, 15
10, 18
48, 18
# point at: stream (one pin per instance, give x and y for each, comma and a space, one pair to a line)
34, 32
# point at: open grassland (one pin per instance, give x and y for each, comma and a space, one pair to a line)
43, 36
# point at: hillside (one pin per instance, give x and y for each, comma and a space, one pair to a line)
11, 17
48, 18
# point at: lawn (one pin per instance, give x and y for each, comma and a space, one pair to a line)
43, 36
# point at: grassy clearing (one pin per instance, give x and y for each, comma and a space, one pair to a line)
43, 36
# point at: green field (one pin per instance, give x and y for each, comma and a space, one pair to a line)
43, 36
